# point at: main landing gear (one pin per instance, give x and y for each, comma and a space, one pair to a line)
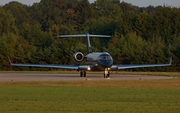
106, 73
83, 74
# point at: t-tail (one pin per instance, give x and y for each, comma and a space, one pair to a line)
87, 35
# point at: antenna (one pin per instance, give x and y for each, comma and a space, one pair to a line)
87, 35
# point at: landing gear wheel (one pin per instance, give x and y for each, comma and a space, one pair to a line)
108, 75
105, 76
83, 74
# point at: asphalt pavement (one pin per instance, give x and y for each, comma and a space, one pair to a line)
9, 77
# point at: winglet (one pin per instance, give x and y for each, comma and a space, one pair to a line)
9, 60
170, 60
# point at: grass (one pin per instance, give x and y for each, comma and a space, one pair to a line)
151, 96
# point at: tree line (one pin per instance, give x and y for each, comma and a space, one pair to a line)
140, 35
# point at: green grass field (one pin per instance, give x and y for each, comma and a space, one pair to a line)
141, 96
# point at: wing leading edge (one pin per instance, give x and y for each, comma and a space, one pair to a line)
74, 67
115, 67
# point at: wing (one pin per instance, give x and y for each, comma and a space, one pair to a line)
74, 67
116, 67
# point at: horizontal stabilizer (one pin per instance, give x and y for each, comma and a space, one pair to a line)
83, 35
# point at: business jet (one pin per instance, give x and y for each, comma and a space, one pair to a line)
95, 61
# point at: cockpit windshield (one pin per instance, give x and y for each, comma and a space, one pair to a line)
105, 57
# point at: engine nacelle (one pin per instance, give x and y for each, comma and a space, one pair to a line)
78, 57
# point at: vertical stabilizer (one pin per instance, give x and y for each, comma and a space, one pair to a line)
87, 35
88, 43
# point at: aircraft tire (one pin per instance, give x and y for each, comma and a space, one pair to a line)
84, 73
108, 75
81, 74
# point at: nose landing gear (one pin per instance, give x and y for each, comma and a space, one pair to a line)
106, 73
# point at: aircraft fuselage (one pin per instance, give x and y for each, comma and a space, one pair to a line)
99, 61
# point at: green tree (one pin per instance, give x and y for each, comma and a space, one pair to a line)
8, 37
19, 12
107, 8
139, 34
129, 12
165, 22
7, 22
155, 52
132, 47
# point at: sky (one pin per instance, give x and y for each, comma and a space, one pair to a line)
140, 3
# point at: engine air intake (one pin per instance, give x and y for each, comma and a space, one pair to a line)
78, 57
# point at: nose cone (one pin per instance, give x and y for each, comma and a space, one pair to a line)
106, 63
105, 60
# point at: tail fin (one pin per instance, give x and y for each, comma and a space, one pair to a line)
9, 60
87, 35
170, 60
